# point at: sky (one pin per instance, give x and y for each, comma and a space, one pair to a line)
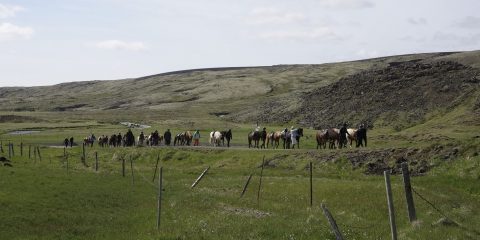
52, 41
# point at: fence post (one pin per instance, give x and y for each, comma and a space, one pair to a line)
156, 167
260, 183
412, 216
39, 156
29, 151
159, 205
391, 210
9, 151
131, 167
311, 184
200, 177
333, 224
123, 166
13, 149
246, 185
96, 161
21, 149
1, 146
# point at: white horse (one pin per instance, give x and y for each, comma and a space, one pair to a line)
352, 135
215, 138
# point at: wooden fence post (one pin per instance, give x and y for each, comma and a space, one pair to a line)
159, 204
9, 151
200, 177
131, 167
156, 167
96, 161
260, 183
246, 185
39, 156
123, 166
333, 224
391, 210
13, 149
311, 184
29, 151
21, 149
83, 153
1, 146
412, 216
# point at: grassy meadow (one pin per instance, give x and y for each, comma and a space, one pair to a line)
42, 199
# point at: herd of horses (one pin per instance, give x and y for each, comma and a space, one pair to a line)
330, 138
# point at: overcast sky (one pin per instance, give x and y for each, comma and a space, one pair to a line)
52, 41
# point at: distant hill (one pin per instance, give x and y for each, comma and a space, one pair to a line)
389, 90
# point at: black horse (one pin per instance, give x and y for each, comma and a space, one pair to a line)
226, 135
255, 137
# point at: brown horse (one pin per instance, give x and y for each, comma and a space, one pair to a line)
255, 137
333, 136
322, 139
352, 135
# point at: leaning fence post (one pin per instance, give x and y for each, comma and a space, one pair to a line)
391, 210
156, 167
260, 183
333, 224
200, 177
246, 185
159, 204
412, 216
39, 156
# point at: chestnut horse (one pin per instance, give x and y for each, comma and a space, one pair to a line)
255, 137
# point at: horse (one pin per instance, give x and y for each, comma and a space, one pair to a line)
299, 134
89, 140
270, 139
187, 138
322, 138
263, 137
227, 134
179, 139
215, 138
255, 137
287, 139
333, 135
103, 141
275, 139
352, 135
113, 141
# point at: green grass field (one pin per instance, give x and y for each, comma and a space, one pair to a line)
42, 200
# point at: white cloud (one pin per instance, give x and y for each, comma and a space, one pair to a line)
469, 22
7, 11
347, 4
367, 53
10, 31
417, 21
470, 40
274, 16
321, 33
121, 45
